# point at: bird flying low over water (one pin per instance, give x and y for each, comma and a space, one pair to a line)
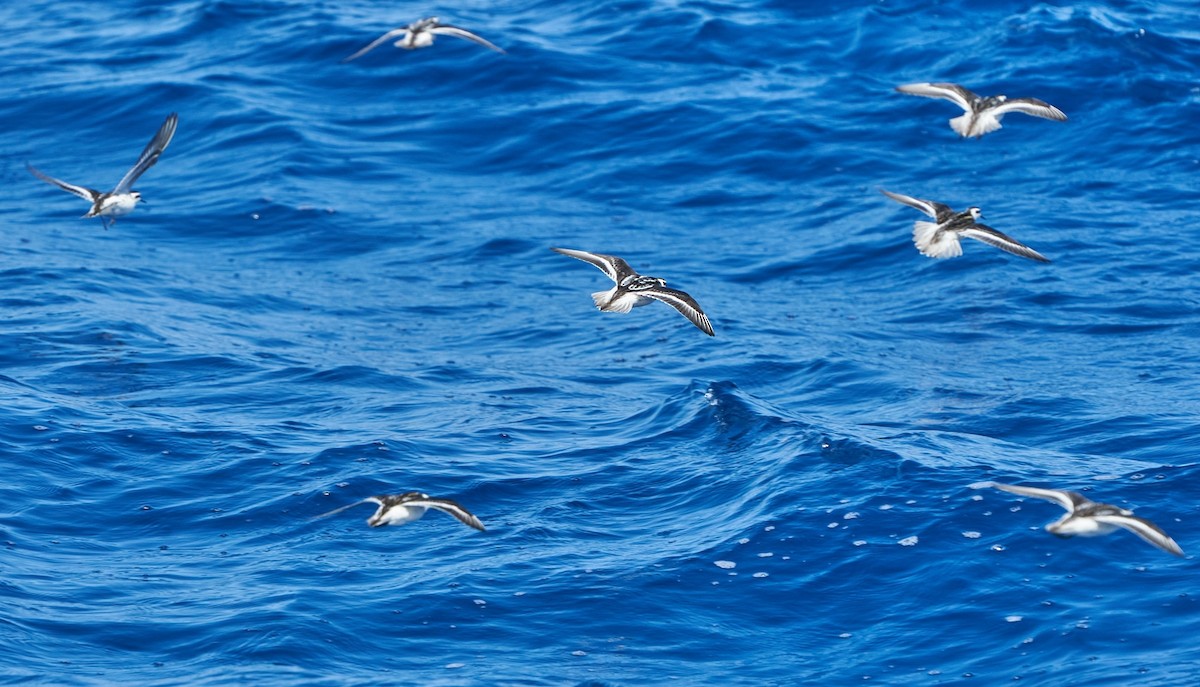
941, 239
633, 290
398, 509
121, 200
420, 34
983, 115
1087, 518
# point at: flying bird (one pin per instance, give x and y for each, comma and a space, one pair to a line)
420, 34
1087, 518
121, 200
398, 509
983, 115
633, 290
940, 239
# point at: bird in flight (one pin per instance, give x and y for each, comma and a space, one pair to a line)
398, 509
420, 34
633, 290
121, 200
940, 239
1087, 518
983, 115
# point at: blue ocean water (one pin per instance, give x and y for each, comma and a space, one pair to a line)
341, 285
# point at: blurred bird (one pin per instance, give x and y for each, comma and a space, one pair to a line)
983, 115
420, 34
1087, 518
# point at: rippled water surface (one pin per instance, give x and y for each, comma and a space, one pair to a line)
340, 285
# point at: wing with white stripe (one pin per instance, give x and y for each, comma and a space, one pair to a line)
447, 506
682, 302
947, 91
1144, 529
1030, 106
615, 268
1069, 500
988, 235
447, 30
83, 192
935, 210
394, 33
156, 146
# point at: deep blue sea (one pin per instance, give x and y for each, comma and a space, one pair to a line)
340, 284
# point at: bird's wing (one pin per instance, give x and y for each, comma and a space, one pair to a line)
83, 192
156, 146
947, 91
377, 42
982, 232
335, 511
1030, 106
447, 506
616, 268
447, 30
1144, 529
682, 302
938, 211
1069, 500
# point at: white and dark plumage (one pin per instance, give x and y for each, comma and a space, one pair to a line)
121, 200
982, 114
1087, 518
633, 290
940, 239
420, 34
398, 509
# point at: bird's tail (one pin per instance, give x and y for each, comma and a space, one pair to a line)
970, 125
604, 301
935, 244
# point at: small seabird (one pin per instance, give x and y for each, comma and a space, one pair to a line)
941, 239
121, 200
420, 34
982, 114
1087, 518
633, 289
397, 509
